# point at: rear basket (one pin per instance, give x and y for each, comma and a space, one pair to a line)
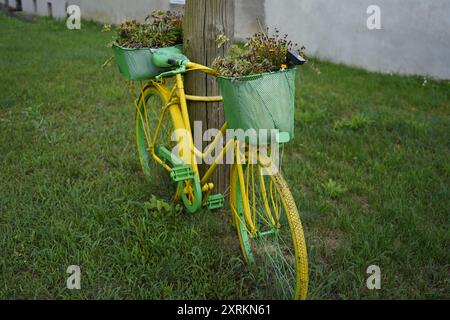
136, 64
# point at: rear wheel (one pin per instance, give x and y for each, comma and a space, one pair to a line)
148, 116
150, 105
270, 231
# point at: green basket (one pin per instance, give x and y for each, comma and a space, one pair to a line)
137, 64
264, 101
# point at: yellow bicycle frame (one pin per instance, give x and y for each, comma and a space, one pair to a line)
177, 106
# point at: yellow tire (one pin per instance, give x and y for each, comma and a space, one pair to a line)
273, 243
149, 121
149, 105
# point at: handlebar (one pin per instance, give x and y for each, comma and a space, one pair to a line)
173, 59
198, 67
185, 66
181, 69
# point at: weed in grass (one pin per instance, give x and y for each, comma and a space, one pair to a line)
332, 189
162, 206
356, 122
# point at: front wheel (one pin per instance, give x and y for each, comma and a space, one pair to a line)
270, 231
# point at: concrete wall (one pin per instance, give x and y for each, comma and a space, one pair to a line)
10, 3
114, 11
106, 11
414, 38
248, 12
55, 8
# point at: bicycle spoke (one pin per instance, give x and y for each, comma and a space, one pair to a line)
273, 248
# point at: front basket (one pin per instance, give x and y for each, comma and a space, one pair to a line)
264, 101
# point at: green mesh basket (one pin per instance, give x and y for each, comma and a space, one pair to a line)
137, 64
264, 101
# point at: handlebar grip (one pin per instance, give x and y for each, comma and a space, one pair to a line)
180, 70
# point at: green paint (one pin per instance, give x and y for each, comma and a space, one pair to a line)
215, 202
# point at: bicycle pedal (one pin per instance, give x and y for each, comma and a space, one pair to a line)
182, 173
215, 202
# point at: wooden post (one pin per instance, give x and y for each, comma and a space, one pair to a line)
204, 21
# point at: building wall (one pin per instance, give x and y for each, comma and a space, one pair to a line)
414, 38
114, 11
9, 3
248, 12
40, 7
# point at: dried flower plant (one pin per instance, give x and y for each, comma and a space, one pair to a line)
168, 18
240, 62
160, 29
262, 53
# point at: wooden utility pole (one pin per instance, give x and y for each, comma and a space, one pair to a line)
204, 21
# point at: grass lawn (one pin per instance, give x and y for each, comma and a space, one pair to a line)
369, 170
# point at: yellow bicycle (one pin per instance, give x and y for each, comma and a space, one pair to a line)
263, 209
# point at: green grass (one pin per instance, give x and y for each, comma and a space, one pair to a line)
369, 170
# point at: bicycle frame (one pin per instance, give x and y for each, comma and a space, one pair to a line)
255, 203
178, 110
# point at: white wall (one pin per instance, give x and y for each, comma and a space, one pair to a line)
114, 11
414, 39
106, 11
247, 15
40, 7
10, 3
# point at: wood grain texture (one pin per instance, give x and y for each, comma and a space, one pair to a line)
205, 20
